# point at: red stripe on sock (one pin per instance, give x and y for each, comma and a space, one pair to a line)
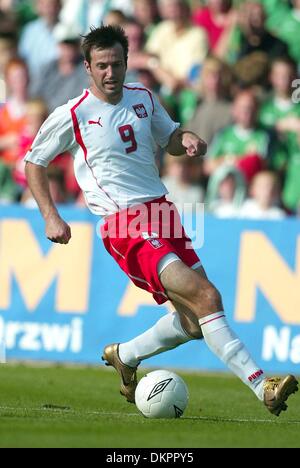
212, 320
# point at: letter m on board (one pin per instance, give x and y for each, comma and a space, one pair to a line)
22, 258
262, 267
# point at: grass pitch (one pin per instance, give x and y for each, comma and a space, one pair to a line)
81, 407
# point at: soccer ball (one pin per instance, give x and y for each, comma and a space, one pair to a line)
161, 394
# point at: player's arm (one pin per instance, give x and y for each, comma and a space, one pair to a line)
56, 229
186, 142
56, 136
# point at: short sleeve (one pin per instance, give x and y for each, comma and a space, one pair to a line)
55, 137
162, 124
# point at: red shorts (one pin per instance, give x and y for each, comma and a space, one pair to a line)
138, 239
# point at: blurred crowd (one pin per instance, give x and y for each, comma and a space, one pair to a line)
227, 70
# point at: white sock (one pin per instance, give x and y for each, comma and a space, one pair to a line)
166, 334
223, 342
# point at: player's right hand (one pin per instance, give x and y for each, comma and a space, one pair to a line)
57, 230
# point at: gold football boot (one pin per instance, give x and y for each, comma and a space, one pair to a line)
277, 391
127, 374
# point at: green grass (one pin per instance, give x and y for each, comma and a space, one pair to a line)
81, 407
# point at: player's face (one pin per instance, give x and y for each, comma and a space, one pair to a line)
107, 70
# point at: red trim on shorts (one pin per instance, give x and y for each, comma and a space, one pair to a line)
212, 320
143, 89
80, 141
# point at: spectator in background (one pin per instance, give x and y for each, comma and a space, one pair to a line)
115, 18
291, 189
8, 18
8, 189
66, 77
83, 14
25, 12
8, 51
146, 13
251, 35
214, 111
216, 17
265, 198
183, 177
137, 57
226, 192
63, 183
176, 38
16, 13
38, 45
142, 66
244, 144
280, 112
12, 114
36, 114
279, 107
284, 21
250, 47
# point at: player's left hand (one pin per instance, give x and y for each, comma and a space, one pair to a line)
194, 145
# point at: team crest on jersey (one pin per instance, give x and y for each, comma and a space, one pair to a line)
156, 244
152, 239
140, 111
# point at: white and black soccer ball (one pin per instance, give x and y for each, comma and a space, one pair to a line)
162, 394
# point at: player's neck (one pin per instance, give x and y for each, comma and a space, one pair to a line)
103, 97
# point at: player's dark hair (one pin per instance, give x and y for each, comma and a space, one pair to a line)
104, 38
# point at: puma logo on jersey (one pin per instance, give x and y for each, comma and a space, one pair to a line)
140, 111
93, 122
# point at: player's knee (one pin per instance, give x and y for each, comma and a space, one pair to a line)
191, 327
192, 286
212, 297
194, 331
207, 298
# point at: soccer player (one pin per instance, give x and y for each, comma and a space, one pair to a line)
112, 131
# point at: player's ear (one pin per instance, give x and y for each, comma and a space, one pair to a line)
87, 67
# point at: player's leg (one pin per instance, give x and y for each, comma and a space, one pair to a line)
167, 333
193, 290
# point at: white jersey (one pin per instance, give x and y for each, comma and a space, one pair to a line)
113, 147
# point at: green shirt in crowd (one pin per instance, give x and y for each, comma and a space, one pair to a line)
237, 142
284, 22
272, 111
291, 189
